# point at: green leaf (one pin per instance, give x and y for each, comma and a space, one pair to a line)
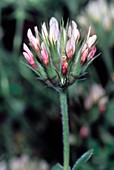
57, 167
83, 159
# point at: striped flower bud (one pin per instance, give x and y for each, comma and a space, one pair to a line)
44, 54
29, 56
34, 41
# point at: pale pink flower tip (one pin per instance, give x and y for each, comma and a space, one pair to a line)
70, 47
44, 31
36, 32
34, 41
54, 30
91, 40
72, 30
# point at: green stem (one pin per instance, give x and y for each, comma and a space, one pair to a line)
65, 124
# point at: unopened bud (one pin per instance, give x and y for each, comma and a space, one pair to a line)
64, 66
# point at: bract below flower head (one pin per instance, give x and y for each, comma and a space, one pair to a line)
57, 53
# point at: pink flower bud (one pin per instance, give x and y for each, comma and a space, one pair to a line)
92, 53
74, 25
54, 30
72, 30
84, 131
25, 47
29, 56
88, 46
84, 56
75, 31
30, 60
44, 31
44, 54
34, 41
64, 65
70, 47
53, 20
76, 34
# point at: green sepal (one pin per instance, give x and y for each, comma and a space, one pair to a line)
51, 73
83, 159
41, 70
54, 53
40, 74
55, 57
49, 69
57, 167
76, 67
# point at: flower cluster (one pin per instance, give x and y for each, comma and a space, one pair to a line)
57, 55
96, 96
24, 162
103, 15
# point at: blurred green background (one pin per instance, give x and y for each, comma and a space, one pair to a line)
30, 120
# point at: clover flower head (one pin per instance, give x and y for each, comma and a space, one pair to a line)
57, 54
96, 95
103, 15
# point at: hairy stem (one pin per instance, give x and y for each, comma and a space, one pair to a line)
65, 124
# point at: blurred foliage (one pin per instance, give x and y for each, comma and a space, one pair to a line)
30, 121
